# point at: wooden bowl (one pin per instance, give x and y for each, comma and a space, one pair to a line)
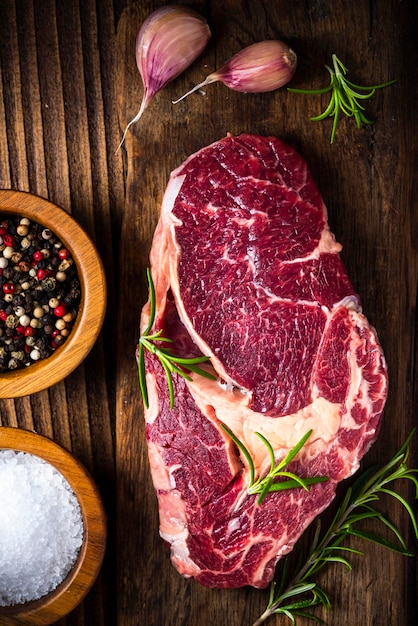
64, 598
46, 372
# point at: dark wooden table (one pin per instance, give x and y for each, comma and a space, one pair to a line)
68, 85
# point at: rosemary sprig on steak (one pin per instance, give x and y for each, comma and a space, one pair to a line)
169, 361
345, 96
296, 594
267, 484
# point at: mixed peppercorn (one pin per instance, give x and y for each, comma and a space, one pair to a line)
39, 292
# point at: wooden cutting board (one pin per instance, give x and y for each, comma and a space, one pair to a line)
367, 181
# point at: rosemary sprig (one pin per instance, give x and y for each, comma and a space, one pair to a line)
295, 595
266, 484
171, 363
345, 96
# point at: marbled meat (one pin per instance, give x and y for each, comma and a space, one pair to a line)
247, 271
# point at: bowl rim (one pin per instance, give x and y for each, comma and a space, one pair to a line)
71, 591
91, 311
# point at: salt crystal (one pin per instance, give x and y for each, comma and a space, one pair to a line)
41, 528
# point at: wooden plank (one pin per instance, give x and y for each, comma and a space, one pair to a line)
68, 85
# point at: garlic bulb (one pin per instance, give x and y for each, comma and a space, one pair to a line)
261, 67
169, 40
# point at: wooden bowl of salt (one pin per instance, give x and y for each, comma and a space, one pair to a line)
30, 374
53, 530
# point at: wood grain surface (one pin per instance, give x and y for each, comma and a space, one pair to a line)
69, 84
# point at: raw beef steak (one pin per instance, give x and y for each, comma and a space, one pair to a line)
247, 272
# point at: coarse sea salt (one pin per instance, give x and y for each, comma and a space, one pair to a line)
41, 527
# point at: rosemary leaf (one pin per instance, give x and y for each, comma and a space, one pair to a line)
344, 97
243, 449
169, 382
142, 376
267, 484
295, 481
354, 508
152, 300
169, 361
372, 538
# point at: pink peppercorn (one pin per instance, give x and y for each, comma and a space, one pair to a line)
8, 288
60, 310
63, 254
41, 274
37, 256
